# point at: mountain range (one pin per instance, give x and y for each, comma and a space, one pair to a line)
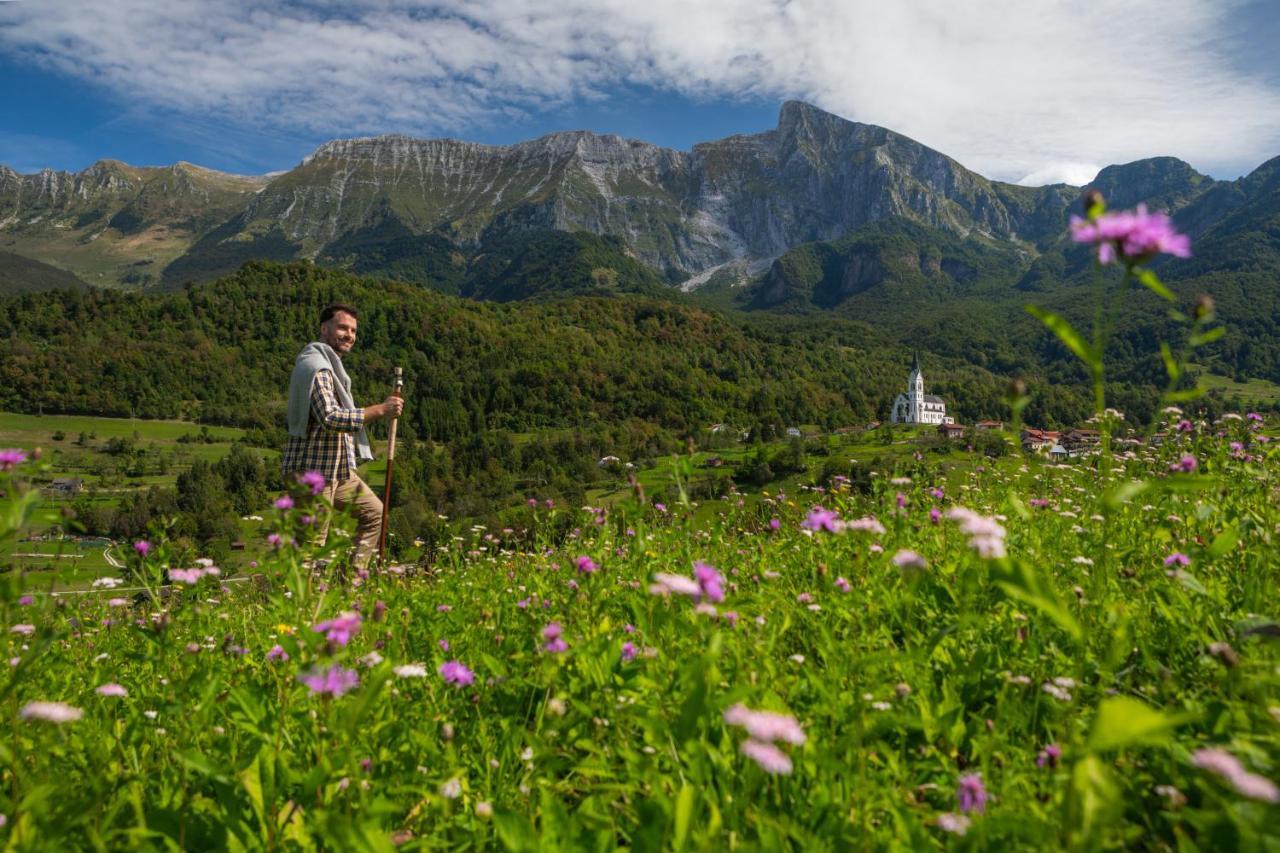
427, 209
817, 214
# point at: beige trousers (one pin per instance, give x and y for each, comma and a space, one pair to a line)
354, 495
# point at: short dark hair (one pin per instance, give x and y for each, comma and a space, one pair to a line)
327, 314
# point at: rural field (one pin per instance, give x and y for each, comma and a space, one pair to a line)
1005, 656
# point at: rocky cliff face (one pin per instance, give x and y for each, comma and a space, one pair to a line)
746, 199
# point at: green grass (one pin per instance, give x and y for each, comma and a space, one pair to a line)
1253, 391
908, 683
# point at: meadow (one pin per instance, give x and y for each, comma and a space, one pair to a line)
1008, 657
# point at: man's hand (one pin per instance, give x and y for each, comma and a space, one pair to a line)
388, 408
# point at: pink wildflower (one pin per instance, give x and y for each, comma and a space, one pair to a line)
909, 560
765, 725
111, 689
11, 457
667, 584
822, 519
1228, 767
143, 547
1137, 235
454, 672
50, 712
277, 653
769, 757
333, 681
628, 651
971, 793
340, 629
284, 502
586, 565
313, 480
709, 580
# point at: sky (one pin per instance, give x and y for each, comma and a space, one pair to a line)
1029, 91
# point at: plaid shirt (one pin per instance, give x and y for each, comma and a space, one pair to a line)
328, 446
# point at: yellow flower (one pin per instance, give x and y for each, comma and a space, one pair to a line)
284, 629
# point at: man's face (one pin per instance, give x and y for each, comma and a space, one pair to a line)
339, 332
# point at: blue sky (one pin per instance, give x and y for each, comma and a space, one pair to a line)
1031, 92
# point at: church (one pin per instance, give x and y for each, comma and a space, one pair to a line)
917, 407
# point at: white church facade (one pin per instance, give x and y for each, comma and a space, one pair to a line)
917, 407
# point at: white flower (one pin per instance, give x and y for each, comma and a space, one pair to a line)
452, 789
108, 582
411, 670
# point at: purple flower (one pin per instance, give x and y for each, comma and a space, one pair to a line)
934, 515
443, 608
143, 547
1137, 235
937, 494
842, 584
660, 507
333, 681
454, 672
443, 644
775, 524
1177, 558
26, 600
11, 457
1186, 464
971, 793
340, 629
586, 565
284, 502
628, 651
822, 519
313, 480
1049, 756
901, 500
277, 653
533, 503
111, 689
709, 580
552, 634
274, 540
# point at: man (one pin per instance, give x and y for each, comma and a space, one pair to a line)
326, 428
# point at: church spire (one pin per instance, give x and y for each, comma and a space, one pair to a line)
915, 361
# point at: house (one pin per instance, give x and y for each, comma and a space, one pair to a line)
606, 461
951, 430
986, 425
793, 432
915, 406
64, 487
1058, 453
1077, 440
237, 546
1038, 440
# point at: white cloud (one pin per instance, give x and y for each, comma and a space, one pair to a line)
1075, 174
1009, 88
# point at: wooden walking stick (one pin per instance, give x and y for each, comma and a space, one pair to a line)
391, 463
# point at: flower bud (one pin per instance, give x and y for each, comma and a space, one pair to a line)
1093, 202
1017, 388
1204, 307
